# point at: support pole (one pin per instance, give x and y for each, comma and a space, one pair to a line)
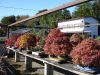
8, 32
48, 69
28, 63
8, 51
17, 57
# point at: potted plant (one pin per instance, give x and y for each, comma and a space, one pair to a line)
57, 44
87, 55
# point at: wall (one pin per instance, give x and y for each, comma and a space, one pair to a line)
93, 28
73, 26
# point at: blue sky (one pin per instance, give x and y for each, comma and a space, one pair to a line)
33, 5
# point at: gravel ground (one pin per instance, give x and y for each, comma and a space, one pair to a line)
37, 69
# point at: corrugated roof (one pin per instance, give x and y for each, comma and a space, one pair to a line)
21, 31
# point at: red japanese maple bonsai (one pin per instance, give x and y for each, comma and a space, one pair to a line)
87, 53
57, 43
11, 41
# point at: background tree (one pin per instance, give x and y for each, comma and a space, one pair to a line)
88, 9
66, 14
21, 17
42, 11
52, 19
8, 20
83, 10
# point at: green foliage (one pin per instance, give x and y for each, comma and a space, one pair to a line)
88, 9
2, 32
54, 18
21, 17
42, 11
98, 38
84, 36
51, 19
2, 41
8, 20
66, 15
43, 20
42, 41
83, 10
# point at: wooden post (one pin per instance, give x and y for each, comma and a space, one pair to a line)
48, 69
28, 63
17, 57
8, 51
8, 32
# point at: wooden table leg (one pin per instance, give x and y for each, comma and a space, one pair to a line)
28, 63
9, 51
17, 57
48, 69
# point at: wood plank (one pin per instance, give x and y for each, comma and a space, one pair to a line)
66, 66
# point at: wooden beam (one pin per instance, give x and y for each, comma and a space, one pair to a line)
67, 5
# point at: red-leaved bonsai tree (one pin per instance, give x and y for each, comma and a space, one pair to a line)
11, 41
57, 43
87, 53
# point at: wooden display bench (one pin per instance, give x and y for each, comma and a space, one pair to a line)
48, 64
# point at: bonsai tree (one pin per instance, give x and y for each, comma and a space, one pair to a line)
57, 43
87, 53
11, 41
27, 40
75, 39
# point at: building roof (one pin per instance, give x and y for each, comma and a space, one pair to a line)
75, 19
21, 31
